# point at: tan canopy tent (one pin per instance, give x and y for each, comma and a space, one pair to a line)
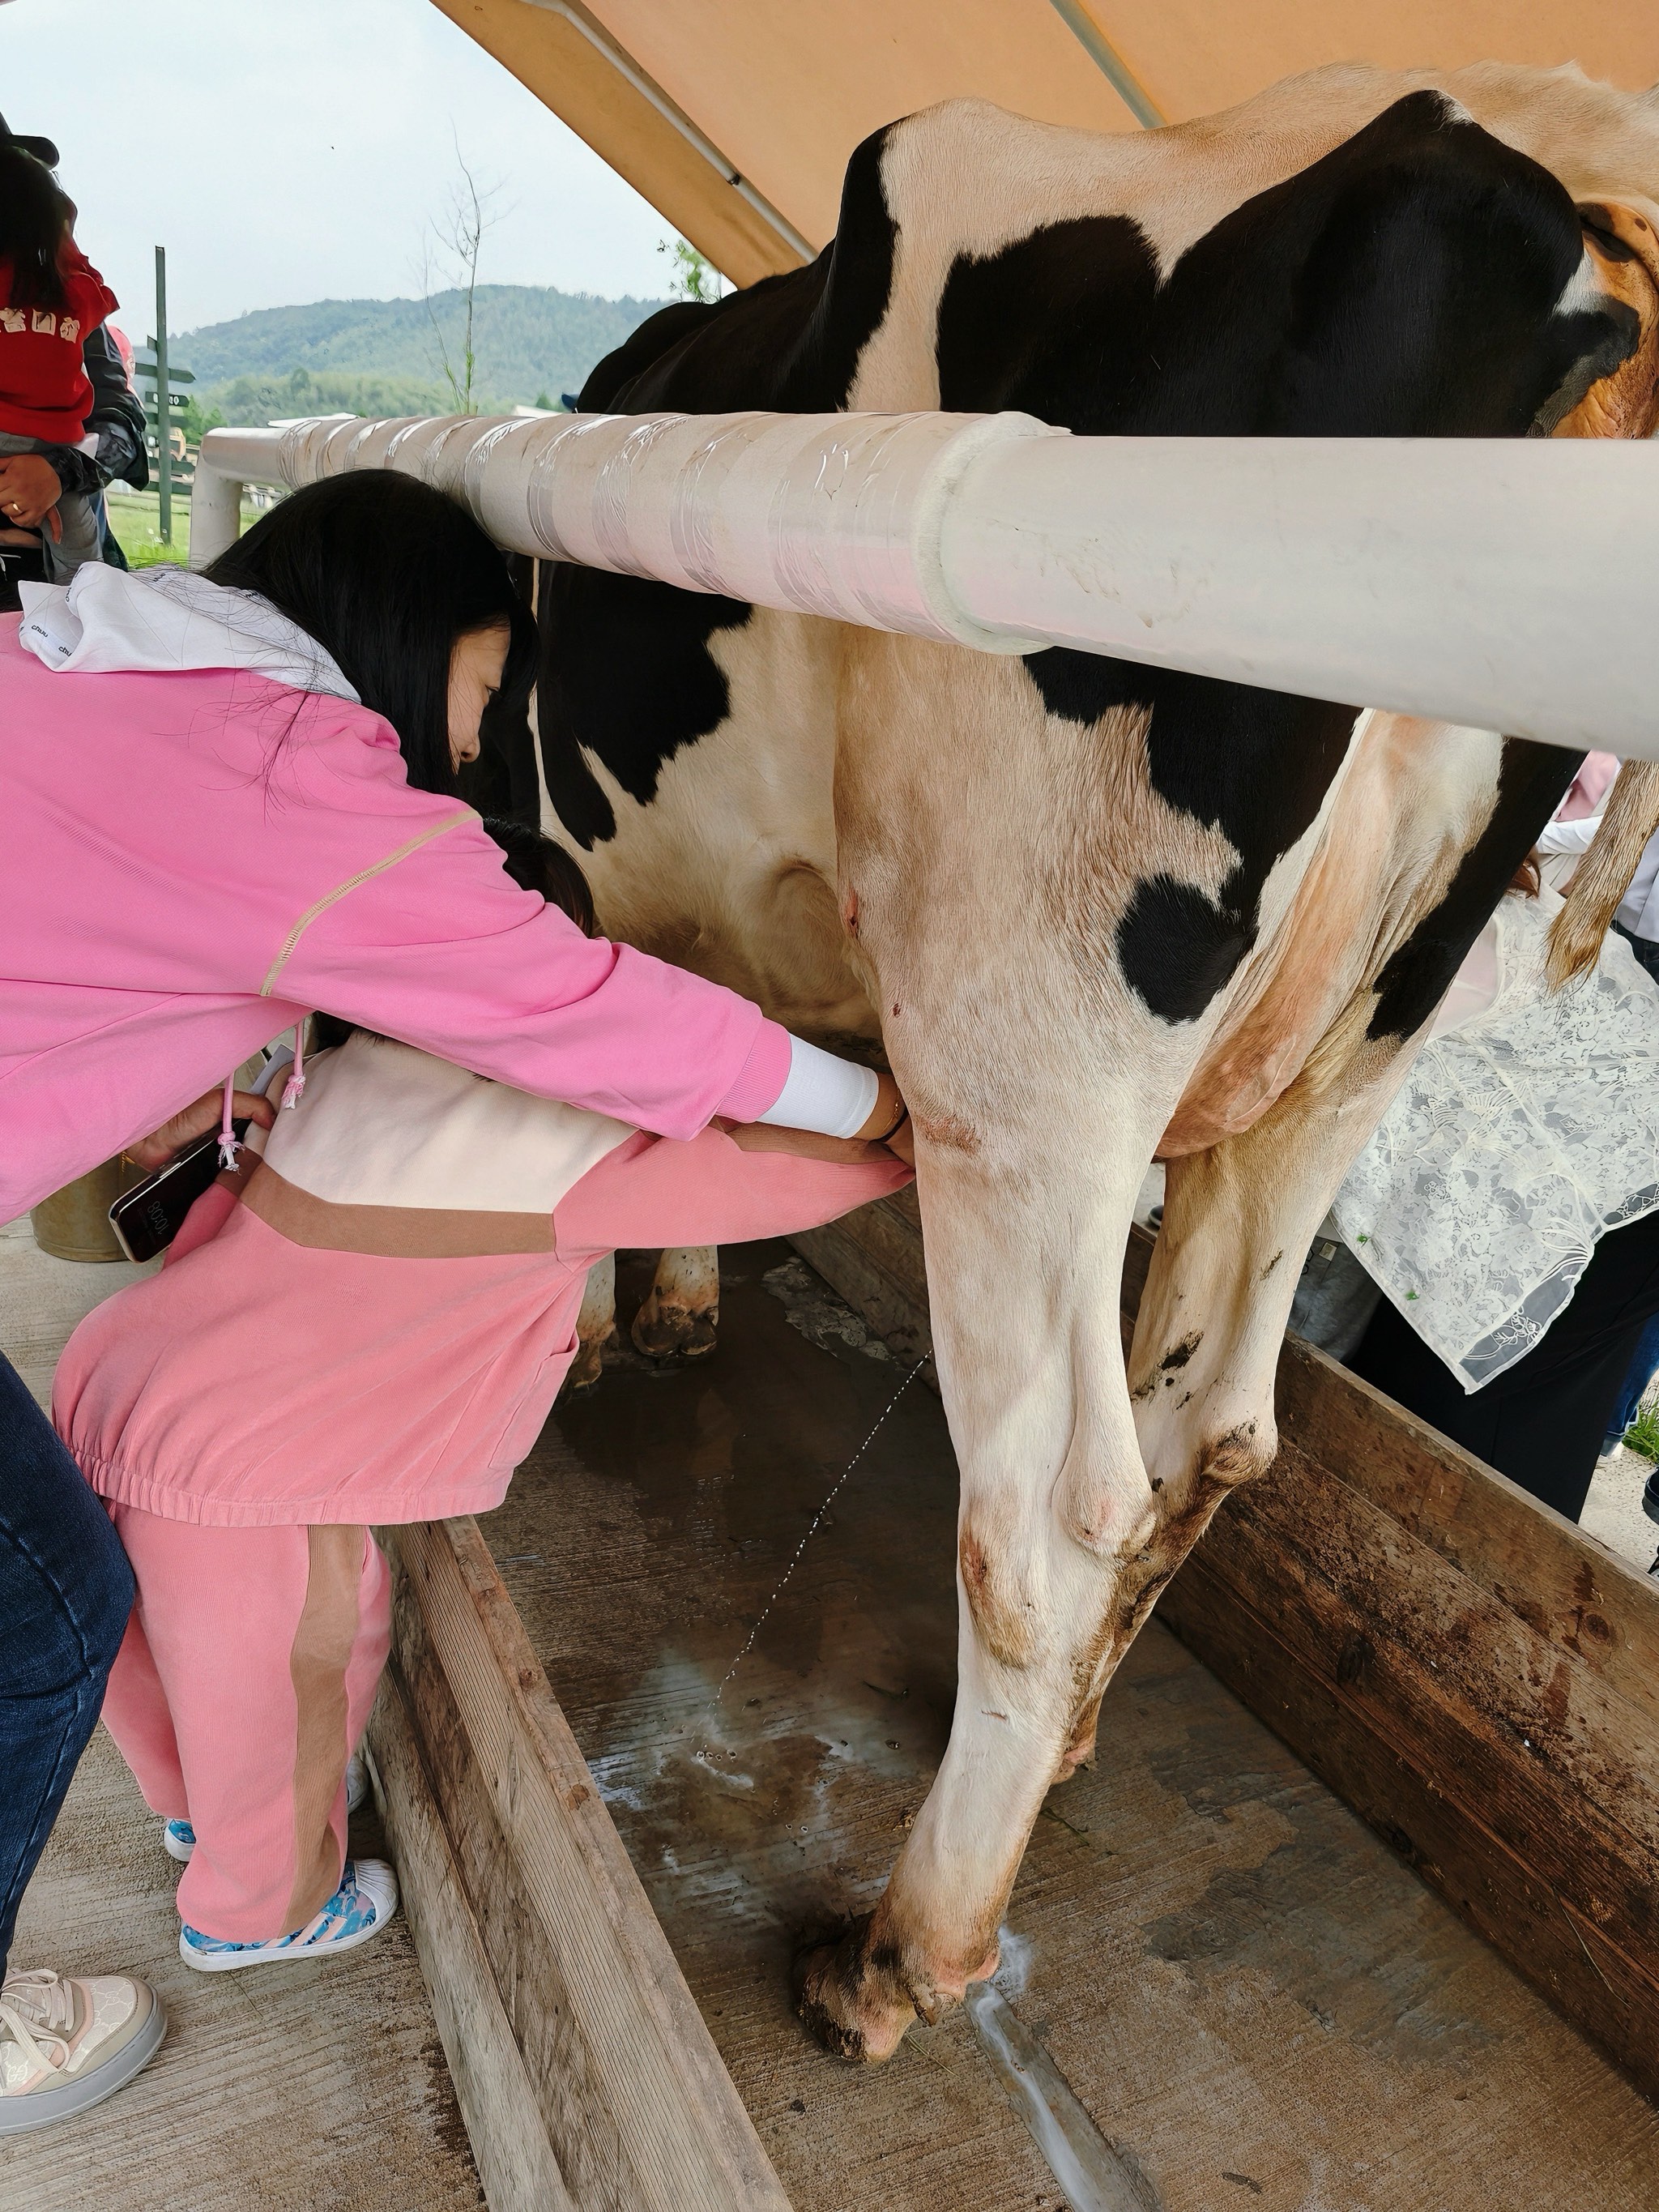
735, 118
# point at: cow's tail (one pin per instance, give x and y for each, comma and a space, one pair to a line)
1629, 819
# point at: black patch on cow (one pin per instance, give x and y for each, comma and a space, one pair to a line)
1532, 781
1254, 765
625, 669
1402, 286
627, 673
1178, 947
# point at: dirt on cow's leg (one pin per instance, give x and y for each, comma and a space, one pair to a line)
596, 1328
1080, 1751
678, 1317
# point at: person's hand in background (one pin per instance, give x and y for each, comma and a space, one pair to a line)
29, 492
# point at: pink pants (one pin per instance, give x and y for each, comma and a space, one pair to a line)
243, 1686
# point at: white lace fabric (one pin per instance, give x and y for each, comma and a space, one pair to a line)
1515, 1143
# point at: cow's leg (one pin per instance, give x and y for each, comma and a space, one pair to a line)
1054, 1544
596, 1325
1238, 1219
678, 1318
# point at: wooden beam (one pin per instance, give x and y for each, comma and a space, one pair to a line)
1474, 1675
611, 2065
498, 2103
570, 73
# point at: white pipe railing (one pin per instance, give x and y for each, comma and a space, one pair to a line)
1505, 584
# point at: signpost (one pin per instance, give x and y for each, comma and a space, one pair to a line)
163, 427
159, 381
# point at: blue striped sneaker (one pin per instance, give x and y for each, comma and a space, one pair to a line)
359, 1910
179, 1838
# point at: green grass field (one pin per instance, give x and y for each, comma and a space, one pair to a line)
135, 518
1642, 1436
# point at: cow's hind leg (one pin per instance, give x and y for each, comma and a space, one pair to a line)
1238, 1219
596, 1325
678, 1318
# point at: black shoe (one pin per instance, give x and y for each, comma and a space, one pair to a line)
1650, 1496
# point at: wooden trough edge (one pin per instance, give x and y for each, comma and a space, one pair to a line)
1473, 1675
584, 2073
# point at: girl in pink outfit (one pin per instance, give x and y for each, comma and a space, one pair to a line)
229, 799
366, 1324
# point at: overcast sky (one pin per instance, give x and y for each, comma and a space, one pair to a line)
290, 151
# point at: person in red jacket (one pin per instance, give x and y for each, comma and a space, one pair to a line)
51, 298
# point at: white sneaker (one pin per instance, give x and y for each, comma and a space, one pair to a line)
179, 1838
359, 1910
66, 2043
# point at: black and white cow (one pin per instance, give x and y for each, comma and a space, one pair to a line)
1094, 912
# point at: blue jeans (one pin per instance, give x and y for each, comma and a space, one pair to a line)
1643, 1366
65, 1592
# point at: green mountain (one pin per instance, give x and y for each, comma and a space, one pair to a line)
385, 357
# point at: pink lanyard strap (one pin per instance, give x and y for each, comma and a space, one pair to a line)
292, 1091
229, 1143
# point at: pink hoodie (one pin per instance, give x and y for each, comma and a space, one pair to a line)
194, 859
376, 1331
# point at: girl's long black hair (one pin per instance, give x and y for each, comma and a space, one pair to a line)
386, 573
36, 214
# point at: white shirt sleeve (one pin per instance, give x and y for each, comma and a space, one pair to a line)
832, 1097
1568, 836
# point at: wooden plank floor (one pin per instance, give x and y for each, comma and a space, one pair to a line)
316, 2088
1257, 2002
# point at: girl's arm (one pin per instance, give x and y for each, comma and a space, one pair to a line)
440, 949
721, 1189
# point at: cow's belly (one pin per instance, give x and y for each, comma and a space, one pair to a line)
730, 868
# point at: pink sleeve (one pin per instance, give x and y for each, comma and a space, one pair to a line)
711, 1191
442, 951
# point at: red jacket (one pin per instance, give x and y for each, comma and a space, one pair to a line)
44, 389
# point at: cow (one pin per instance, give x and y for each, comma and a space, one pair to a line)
1094, 913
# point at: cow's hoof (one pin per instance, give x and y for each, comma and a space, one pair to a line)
663, 1331
849, 2006
584, 1370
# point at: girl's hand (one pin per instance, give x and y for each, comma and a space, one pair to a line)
890, 1124
196, 1121
29, 492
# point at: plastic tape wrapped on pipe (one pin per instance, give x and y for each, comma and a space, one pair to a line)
545, 496
836, 537
696, 496
832, 515
627, 496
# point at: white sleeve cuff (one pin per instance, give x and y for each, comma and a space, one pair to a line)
1559, 837
832, 1097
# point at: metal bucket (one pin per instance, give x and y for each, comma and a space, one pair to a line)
73, 1223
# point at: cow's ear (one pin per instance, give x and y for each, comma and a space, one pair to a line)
1623, 245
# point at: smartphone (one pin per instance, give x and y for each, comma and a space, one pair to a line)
147, 1218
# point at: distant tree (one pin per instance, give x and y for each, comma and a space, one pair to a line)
689, 276
195, 421
544, 399
259, 399
454, 241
